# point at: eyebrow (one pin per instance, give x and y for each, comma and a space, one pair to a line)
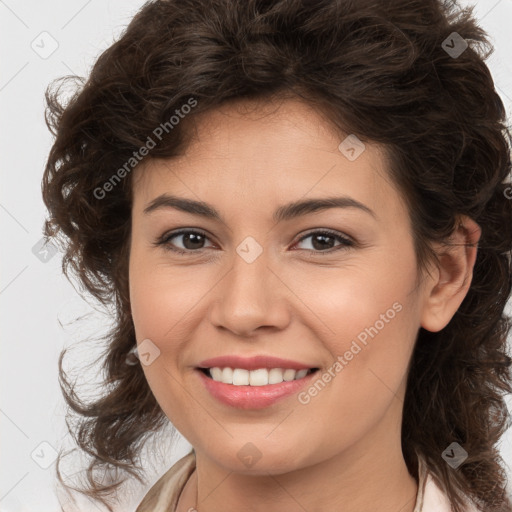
282, 213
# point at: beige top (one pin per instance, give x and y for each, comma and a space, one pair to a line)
163, 496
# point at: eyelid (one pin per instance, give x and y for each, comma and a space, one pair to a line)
327, 231
347, 241
164, 240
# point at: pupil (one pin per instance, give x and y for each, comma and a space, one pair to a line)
321, 245
193, 238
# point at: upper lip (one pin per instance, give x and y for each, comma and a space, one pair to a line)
252, 363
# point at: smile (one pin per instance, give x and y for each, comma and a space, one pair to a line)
258, 377
241, 394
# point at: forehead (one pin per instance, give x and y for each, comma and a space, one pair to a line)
255, 152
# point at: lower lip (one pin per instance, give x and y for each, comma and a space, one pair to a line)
253, 397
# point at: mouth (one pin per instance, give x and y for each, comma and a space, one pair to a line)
260, 388
254, 382
257, 377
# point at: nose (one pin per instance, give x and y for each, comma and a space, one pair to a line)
249, 297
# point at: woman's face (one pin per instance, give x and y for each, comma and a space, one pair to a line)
256, 284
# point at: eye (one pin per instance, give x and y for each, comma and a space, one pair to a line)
321, 241
193, 241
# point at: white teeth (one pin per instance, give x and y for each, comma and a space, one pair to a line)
275, 376
300, 374
227, 375
289, 374
217, 373
240, 377
259, 377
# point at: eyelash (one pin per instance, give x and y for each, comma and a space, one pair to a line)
164, 241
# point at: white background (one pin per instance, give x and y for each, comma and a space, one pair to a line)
34, 295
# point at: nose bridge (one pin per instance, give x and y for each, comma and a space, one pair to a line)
247, 282
249, 295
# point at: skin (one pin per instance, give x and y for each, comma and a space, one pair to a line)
340, 451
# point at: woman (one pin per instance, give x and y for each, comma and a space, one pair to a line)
301, 214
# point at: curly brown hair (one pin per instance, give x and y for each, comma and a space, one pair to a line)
378, 69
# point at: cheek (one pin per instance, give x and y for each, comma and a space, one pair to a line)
366, 299
373, 321
154, 307
366, 381
160, 297
159, 314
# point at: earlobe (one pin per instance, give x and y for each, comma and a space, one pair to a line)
449, 284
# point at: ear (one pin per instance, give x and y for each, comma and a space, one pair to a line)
451, 278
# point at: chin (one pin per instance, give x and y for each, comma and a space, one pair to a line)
261, 458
